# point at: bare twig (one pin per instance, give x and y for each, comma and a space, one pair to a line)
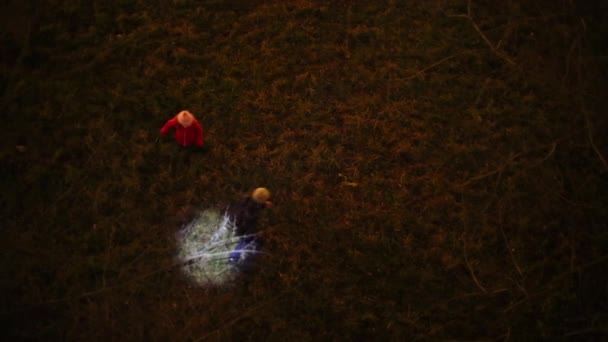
575, 44
506, 34
590, 137
597, 261
507, 335
508, 245
466, 260
504, 236
420, 72
492, 47
501, 168
512, 161
588, 125
592, 330
553, 147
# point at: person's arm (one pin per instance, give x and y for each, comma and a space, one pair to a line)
199, 135
170, 124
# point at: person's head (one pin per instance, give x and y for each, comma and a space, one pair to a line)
260, 195
185, 118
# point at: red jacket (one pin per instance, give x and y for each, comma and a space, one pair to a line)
185, 136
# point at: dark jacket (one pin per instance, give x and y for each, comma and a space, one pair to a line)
245, 214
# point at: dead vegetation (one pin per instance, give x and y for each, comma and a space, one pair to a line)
438, 168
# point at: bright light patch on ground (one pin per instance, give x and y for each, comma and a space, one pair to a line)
204, 247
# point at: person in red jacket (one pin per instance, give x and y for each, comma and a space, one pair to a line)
188, 131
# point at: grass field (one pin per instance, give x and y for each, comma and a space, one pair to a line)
438, 168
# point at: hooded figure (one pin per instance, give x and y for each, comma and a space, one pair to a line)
188, 131
245, 214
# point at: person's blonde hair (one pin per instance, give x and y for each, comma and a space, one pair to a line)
185, 118
260, 195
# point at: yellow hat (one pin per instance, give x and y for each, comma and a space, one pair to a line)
261, 195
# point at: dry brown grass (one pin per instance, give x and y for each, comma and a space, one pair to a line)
433, 177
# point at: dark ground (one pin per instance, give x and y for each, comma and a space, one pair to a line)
438, 168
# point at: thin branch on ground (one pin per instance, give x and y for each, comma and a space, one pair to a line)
588, 124
501, 168
504, 236
507, 335
589, 129
508, 245
600, 260
506, 34
466, 260
492, 47
511, 161
420, 72
587, 331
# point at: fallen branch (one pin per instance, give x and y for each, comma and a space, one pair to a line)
510, 249
564, 275
492, 47
588, 125
420, 72
512, 161
466, 260
590, 138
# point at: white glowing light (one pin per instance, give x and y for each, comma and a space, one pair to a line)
204, 248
